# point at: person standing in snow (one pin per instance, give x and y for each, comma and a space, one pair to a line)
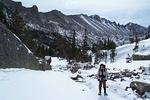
102, 78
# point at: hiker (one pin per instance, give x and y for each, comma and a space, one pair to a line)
102, 78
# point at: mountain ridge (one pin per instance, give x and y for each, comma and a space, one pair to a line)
55, 21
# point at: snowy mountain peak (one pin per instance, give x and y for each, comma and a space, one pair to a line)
56, 21
57, 12
97, 17
34, 8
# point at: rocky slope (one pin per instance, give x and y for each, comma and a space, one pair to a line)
55, 21
13, 53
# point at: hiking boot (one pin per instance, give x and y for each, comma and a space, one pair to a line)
105, 94
99, 93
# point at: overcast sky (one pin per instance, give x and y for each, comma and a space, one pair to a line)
121, 11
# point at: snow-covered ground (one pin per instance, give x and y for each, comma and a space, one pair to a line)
123, 51
24, 84
116, 89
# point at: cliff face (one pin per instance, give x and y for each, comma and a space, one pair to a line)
13, 53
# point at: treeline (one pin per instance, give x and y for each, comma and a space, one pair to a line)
45, 44
148, 33
105, 44
103, 50
53, 44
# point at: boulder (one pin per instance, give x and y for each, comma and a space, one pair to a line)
126, 73
113, 76
45, 65
77, 77
88, 67
140, 87
74, 68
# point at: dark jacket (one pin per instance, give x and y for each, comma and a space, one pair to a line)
102, 74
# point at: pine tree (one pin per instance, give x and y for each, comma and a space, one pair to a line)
109, 45
112, 55
85, 44
97, 46
2, 16
147, 36
94, 48
40, 52
105, 44
147, 33
131, 39
136, 40
74, 43
17, 24
112, 45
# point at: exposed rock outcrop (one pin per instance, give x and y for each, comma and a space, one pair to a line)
13, 53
